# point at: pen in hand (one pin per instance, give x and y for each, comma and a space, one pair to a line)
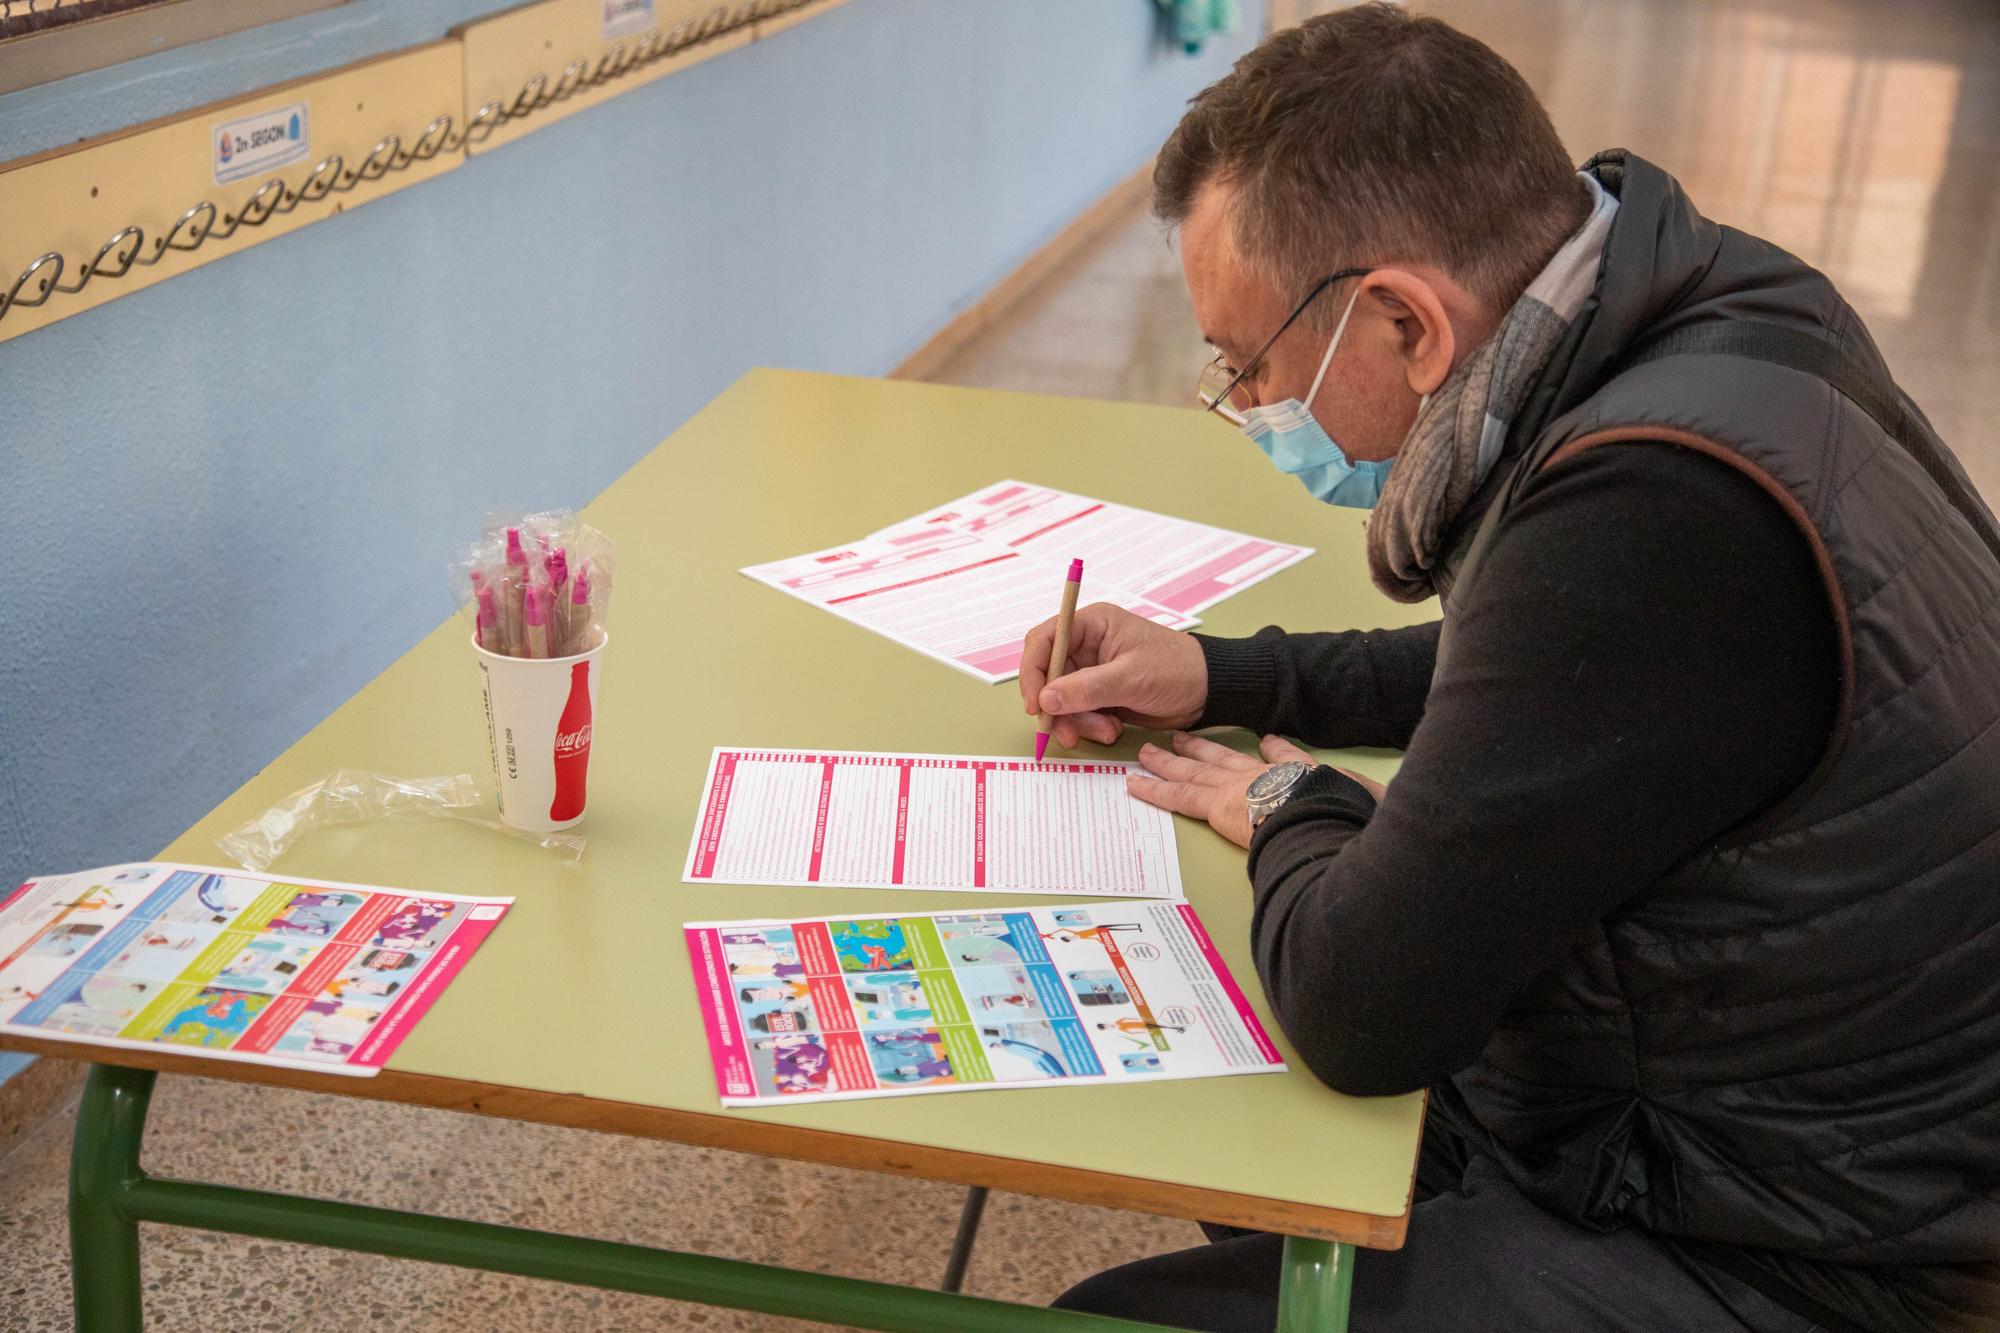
1059, 654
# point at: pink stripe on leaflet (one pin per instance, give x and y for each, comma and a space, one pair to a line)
1045, 531
717, 811
17, 892
262, 1035
327, 964
1002, 495
848, 1054
446, 963
999, 661
819, 821
1199, 584
727, 1048
928, 578
902, 819
979, 825
831, 1004
1229, 986
816, 952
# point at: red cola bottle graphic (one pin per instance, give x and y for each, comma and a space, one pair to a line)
573, 747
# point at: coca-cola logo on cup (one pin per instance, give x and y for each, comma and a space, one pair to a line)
572, 751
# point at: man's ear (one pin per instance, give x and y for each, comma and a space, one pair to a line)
1425, 340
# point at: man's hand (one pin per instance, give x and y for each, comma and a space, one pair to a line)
1122, 668
1203, 780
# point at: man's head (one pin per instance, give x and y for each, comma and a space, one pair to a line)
1363, 139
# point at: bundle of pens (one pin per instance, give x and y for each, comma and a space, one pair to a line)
536, 585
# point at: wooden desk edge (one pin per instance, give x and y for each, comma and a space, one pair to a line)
827, 1147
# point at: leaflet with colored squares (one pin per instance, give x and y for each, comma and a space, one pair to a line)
231, 965
875, 1006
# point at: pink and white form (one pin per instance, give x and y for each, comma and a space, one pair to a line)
965, 583
916, 821
1181, 565
948, 594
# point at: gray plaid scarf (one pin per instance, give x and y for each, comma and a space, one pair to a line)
1457, 437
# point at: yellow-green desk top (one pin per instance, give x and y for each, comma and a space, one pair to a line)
580, 1009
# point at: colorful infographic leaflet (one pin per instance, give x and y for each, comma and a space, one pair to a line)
930, 821
880, 1006
231, 965
1169, 562
948, 594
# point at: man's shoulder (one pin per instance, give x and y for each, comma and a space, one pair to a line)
1653, 501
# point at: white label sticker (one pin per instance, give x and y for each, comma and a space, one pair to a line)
626, 16
255, 144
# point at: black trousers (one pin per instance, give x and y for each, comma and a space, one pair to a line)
1479, 1256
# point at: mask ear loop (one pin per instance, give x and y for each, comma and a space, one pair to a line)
1327, 360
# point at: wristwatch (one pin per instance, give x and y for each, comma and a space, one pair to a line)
1272, 787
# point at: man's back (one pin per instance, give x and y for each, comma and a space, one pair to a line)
1806, 1058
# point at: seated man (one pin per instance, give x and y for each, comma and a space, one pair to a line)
1685, 904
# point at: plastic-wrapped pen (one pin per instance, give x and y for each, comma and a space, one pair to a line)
535, 621
513, 589
487, 624
559, 601
579, 613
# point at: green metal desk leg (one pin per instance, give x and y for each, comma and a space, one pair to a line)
103, 1164
1313, 1291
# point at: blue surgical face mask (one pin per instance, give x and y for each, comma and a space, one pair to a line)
1292, 438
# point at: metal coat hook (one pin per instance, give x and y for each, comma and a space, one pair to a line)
435, 138
381, 160
205, 212
131, 238
42, 291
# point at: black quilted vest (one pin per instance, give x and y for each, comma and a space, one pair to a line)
1786, 1053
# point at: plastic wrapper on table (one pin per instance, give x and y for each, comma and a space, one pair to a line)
351, 796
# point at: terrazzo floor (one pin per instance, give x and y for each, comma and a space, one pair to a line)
572, 1181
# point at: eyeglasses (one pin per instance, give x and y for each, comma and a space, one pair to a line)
1220, 387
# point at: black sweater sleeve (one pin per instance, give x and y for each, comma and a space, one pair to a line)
1360, 687
1648, 659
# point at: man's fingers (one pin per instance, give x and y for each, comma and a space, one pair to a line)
1088, 689
1168, 765
1213, 753
1069, 728
1179, 797
1099, 727
1278, 750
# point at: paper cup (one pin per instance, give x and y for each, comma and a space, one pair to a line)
539, 719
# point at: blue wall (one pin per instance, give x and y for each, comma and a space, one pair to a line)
174, 464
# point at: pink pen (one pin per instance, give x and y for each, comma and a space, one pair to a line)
535, 615
558, 567
579, 613
513, 588
486, 629
1059, 655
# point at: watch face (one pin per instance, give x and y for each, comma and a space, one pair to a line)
1275, 780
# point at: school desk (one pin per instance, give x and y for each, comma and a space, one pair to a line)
780, 463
